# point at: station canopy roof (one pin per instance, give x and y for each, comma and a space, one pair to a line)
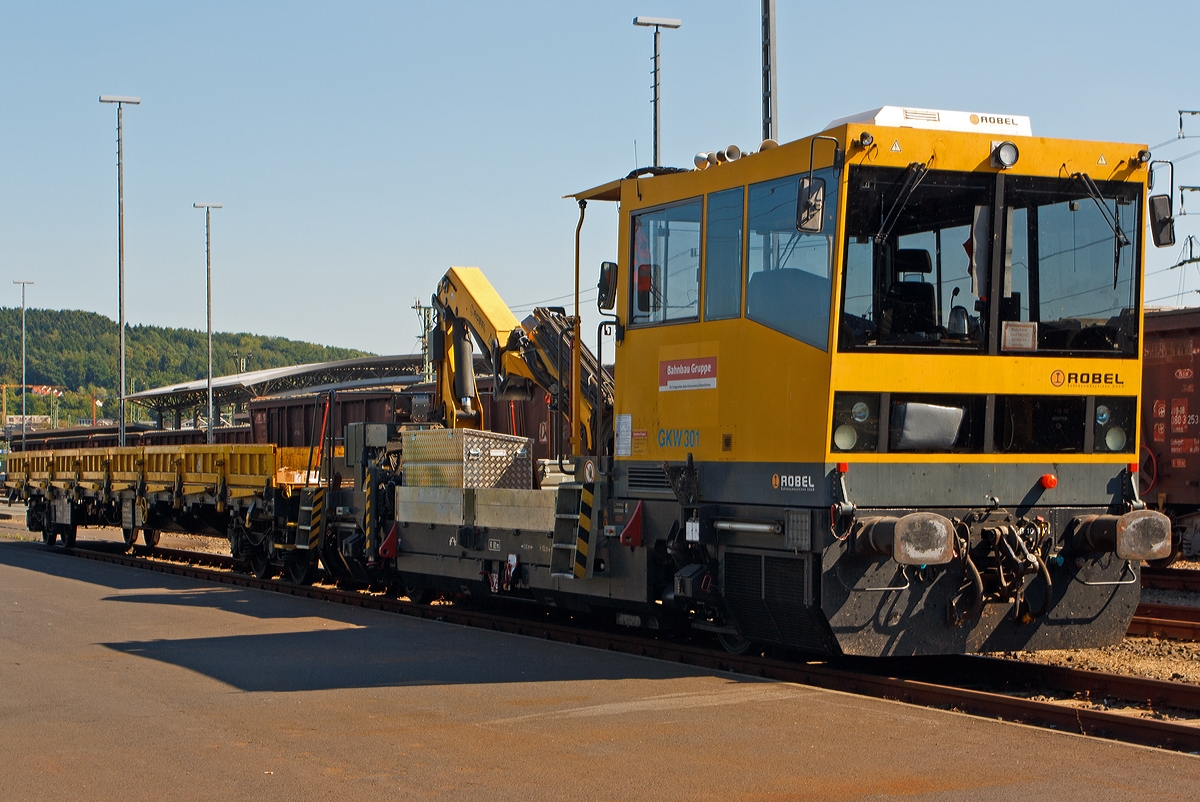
239, 388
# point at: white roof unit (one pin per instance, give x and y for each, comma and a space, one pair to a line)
941, 120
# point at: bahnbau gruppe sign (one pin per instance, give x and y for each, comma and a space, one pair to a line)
688, 374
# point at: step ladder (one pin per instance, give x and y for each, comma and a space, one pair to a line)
570, 552
309, 519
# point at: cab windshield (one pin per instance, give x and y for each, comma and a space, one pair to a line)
919, 250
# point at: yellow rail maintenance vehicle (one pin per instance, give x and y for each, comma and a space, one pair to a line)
893, 372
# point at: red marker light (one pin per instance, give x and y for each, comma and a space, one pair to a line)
1133, 467
1049, 481
843, 467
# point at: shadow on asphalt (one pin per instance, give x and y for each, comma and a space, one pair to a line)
377, 650
405, 653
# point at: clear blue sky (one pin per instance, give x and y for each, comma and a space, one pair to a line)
362, 148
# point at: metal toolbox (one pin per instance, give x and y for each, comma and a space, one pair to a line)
467, 458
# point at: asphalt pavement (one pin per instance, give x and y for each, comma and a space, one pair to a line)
122, 684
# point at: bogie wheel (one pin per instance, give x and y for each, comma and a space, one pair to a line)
130, 538
735, 644
68, 536
417, 595
302, 571
49, 535
150, 537
260, 566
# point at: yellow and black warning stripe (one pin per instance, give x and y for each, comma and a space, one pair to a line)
584, 536
367, 513
317, 517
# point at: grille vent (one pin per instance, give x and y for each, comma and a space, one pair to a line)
727, 442
766, 594
650, 479
921, 114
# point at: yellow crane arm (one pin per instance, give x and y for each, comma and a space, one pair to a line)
523, 355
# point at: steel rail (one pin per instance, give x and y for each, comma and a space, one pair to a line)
180, 556
884, 685
1166, 621
1170, 579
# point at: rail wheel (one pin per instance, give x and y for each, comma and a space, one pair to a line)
130, 538
302, 570
68, 537
49, 535
734, 644
150, 537
260, 566
417, 594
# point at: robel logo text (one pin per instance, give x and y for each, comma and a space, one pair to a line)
1058, 378
786, 481
989, 119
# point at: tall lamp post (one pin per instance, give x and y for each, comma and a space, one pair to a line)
656, 23
120, 101
24, 383
208, 207
770, 109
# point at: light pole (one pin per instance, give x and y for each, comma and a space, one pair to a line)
208, 207
770, 110
24, 383
656, 23
120, 101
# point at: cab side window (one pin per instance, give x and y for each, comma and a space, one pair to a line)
789, 284
665, 264
723, 255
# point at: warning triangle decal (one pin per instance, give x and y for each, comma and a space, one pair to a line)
896, 146
1101, 160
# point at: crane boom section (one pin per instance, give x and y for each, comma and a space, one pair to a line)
519, 355
467, 294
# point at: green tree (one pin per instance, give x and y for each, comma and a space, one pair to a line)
77, 351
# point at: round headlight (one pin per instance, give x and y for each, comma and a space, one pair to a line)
1102, 415
1006, 154
844, 437
860, 412
1115, 439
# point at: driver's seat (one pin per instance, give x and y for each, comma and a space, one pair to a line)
909, 307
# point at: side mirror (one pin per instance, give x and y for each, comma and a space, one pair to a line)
810, 205
1162, 221
607, 286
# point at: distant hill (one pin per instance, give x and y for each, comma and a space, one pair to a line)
77, 351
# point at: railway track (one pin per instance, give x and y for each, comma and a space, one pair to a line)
1166, 621
988, 687
1171, 579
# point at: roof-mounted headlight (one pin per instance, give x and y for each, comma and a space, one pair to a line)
1004, 155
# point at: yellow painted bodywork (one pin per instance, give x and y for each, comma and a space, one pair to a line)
228, 471
467, 293
773, 400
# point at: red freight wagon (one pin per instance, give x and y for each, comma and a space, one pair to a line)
1170, 466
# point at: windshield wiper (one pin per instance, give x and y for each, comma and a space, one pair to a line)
913, 177
1109, 217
